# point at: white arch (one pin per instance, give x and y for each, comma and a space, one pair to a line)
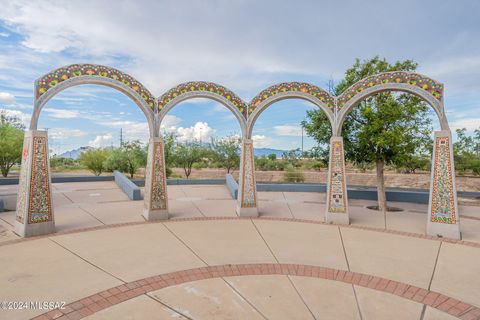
203, 94
80, 80
252, 118
434, 102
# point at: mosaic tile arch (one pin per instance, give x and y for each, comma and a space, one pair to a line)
415, 80
292, 87
199, 87
55, 77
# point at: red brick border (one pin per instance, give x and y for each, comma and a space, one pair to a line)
126, 224
110, 297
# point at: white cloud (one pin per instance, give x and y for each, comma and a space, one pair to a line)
4, 34
131, 130
200, 131
170, 121
262, 141
65, 133
101, 140
7, 98
470, 124
62, 113
288, 130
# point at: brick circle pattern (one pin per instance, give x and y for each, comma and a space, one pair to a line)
116, 295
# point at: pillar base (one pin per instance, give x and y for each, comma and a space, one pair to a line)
247, 212
32, 230
336, 218
155, 214
444, 230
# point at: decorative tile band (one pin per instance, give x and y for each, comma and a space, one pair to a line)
443, 203
429, 85
202, 86
52, 79
126, 291
249, 199
39, 208
303, 87
336, 200
158, 198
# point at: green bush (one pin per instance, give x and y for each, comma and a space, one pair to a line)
94, 160
293, 174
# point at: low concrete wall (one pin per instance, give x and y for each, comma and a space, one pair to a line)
1, 205
10, 181
232, 185
127, 186
174, 182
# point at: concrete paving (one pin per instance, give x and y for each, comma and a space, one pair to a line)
71, 266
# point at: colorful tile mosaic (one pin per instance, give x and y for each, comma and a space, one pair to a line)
158, 198
303, 87
336, 201
249, 198
22, 184
414, 79
52, 79
39, 208
201, 86
443, 203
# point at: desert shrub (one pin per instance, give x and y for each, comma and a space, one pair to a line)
293, 174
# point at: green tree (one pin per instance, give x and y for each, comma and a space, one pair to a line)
94, 160
383, 129
13, 121
11, 143
128, 158
226, 152
186, 154
169, 151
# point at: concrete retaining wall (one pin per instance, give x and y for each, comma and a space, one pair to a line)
232, 185
127, 186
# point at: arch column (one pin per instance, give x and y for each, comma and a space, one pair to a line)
247, 189
337, 203
155, 195
443, 217
34, 214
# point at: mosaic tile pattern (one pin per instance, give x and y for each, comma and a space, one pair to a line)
443, 206
199, 86
249, 199
59, 75
158, 199
336, 201
420, 81
303, 87
39, 208
22, 185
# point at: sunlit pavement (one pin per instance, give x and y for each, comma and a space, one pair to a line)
107, 262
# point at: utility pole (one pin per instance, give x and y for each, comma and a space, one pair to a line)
121, 137
302, 141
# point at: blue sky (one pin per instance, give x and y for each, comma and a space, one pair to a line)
243, 45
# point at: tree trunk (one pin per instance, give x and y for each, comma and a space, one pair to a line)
382, 197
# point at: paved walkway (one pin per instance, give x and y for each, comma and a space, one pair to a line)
106, 262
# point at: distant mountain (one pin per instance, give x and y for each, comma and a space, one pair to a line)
74, 154
260, 152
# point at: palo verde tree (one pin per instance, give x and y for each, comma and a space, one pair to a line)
384, 129
226, 152
186, 154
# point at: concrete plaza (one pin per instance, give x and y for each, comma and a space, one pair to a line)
107, 262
